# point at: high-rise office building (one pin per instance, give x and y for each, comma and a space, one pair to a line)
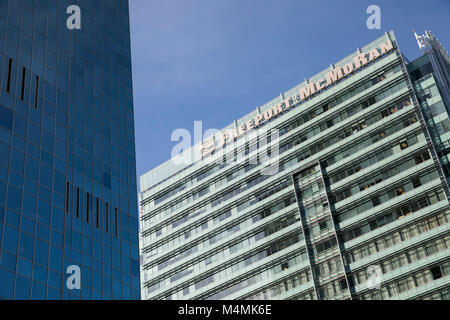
430, 75
355, 204
68, 194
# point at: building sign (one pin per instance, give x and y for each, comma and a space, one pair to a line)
310, 89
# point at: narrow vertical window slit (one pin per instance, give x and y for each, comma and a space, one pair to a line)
115, 220
96, 217
8, 83
22, 92
87, 207
78, 202
36, 93
106, 218
67, 196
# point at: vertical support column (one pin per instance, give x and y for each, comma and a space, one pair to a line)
304, 237
335, 233
320, 234
424, 126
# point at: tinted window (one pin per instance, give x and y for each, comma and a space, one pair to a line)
6, 117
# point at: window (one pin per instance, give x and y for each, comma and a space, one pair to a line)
22, 92
36, 92
8, 81
376, 201
115, 221
373, 225
399, 191
365, 104
96, 216
87, 207
403, 145
106, 180
436, 272
418, 159
106, 217
6, 118
67, 196
78, 202
329, 123
343, 284
446, 125
393, 109
416, 182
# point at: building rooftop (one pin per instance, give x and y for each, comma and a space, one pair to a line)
169, 169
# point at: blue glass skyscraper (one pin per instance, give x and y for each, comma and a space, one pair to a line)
67, 152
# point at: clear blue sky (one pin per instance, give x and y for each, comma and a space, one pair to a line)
217, 60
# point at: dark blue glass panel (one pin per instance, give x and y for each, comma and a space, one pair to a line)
7, 281
62, 137
23, 288
6, 118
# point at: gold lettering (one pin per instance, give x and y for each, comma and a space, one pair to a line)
321, 84
287, 103
305, 92
207, 147
250, 124
268, 114
334, 75
242, 129
386, 47
235, 133
277, 109
331, 77
348, 68
224, 138
360, 60
258, 119
373, 54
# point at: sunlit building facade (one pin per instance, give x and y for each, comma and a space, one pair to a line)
358, 207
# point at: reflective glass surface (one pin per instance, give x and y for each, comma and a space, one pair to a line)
67, 152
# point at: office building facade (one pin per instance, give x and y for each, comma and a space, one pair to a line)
356, 208
68, 204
